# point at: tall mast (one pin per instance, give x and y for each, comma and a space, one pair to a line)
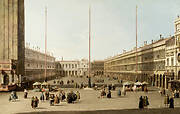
136, 45
89, 39
45, 42
89, 45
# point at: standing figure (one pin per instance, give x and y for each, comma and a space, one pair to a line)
141, 103
78, 95
32, 102
69, 98
42, 96
109, 94
146, 101
171, 101
119, 92
56, 100
51, 100
36, 102
63, 96
47, 95
25, 93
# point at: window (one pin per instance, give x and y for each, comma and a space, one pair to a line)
172, 61
167, 61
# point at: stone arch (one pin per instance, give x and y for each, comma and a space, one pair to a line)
178, 75
157, 80
160, 80
163, 81
154, 78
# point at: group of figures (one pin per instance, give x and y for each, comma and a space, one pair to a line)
176, 94
143, 102
34, 102
72, 97
107, 92
61, 82
104, 93
13, 96
56, 99
169, 101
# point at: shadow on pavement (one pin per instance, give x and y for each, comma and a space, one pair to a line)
125, 111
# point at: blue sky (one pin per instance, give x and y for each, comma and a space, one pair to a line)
113, 25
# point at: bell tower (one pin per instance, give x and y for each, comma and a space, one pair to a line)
12, 47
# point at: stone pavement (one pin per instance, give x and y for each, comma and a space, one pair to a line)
89, 101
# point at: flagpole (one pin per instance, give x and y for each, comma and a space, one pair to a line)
45, 43
89, 46
136, 46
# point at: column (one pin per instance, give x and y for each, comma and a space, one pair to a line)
2, 19
1, 78
165, 82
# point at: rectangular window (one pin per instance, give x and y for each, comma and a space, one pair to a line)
167, 61
172, 61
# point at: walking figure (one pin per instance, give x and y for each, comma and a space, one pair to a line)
141, 103
171, 101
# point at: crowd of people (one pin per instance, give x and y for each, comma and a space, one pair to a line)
72, 97
55, 98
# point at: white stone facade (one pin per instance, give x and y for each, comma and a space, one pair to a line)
72, 68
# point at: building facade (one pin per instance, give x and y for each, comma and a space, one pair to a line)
83, 67
67, 68
72, 68
177, 48
148, 64
97, 68
35, 65
11, 41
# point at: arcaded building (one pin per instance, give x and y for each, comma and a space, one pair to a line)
97, 67
67, 68
156, 63
72, 67
150, 63
35, 65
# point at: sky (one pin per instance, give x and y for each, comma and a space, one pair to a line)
113, 25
